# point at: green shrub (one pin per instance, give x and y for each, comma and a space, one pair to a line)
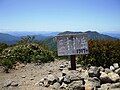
101, 53
29, 52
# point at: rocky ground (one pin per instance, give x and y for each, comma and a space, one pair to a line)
57, 76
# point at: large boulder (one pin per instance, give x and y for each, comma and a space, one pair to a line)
66, 79
56, 86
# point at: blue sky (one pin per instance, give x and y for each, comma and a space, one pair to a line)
60, 15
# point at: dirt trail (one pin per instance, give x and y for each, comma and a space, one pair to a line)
28, 76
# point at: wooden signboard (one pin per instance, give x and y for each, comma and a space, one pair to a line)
72, 44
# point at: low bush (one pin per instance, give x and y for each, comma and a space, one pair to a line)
29, 52
101, 53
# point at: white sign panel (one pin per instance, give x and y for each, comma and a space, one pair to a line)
72, 44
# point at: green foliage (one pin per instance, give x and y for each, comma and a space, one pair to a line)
29, 52
101, 53
3, 46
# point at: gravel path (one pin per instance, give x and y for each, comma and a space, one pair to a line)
28, 76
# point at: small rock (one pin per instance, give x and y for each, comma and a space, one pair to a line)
116, 66
117, 71
46, 83
56, 85
114, 77
14, 83
112, 68
101, 68
115, 85
107, 70
63, 86
105, 78
105, 86
62, 66
76, 85
61, 79
92, 82
52, 79
8, 83
66, 79
23, 76
94, 71
31, 78
65, 72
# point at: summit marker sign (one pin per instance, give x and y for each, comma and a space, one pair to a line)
72, 44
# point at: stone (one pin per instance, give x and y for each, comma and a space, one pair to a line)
115, 85
114, 77
105, 78
65, 72
94, 71
117, 71
52, 79
92, 82
105, 86
101, 68
7, 83
76, 85
84, 74
107, 70
46, 83
61, 79
112, 68
63, 86
66, 79
31, 78
23, 76
62, 66
14, 83
116, 66
56, 85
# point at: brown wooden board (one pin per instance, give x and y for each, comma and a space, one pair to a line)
72, 44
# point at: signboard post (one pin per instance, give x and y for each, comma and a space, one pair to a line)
72, 44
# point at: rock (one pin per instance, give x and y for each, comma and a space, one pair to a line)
115, 85
107, 70
105, 86
74, 75
56, 85
46, 83
66, 79
23, 76
114, 77
117, 71
31, 78
62, 66
101, 68
52, 79
112, 68
8, 83
63, 86
92, 82
65, 72
116, 66
94, 71
84, 74
105, 78
14, 83
76, 85
61, 79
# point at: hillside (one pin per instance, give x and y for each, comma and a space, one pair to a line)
92, 35
7, 38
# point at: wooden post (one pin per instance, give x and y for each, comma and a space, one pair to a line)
73, 62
